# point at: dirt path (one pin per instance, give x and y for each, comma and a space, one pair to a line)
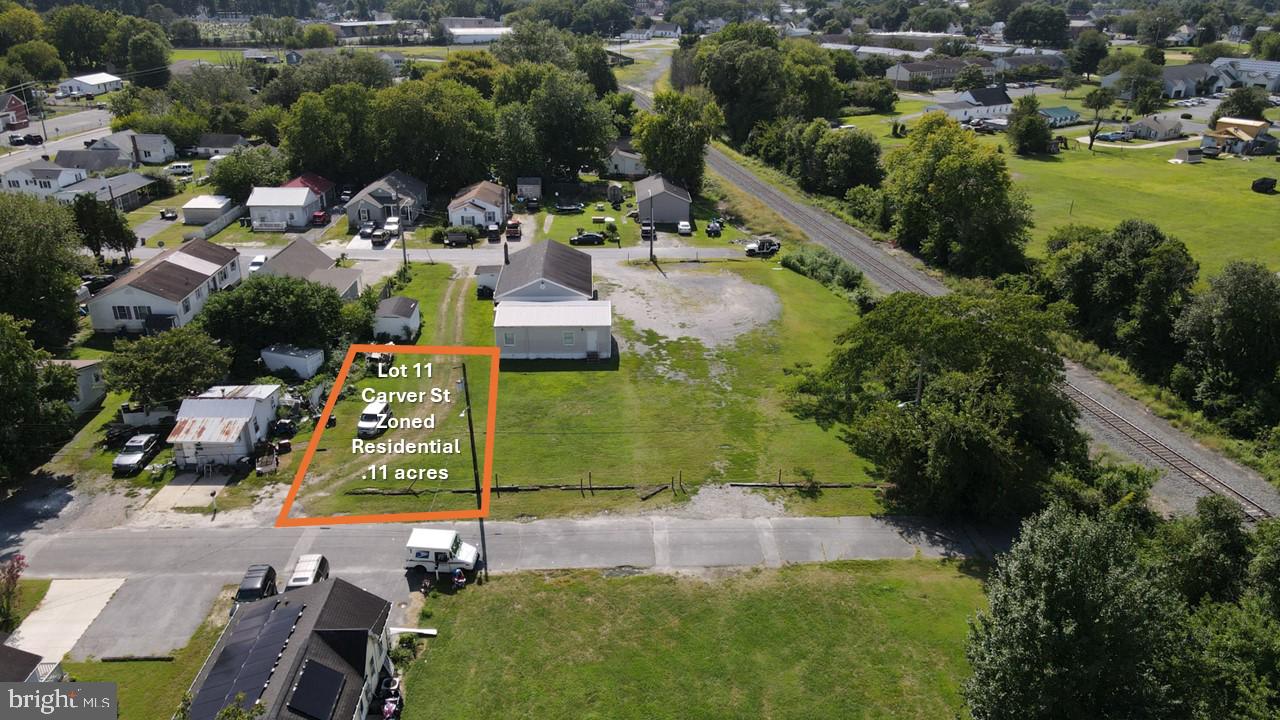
546, 223
442, 313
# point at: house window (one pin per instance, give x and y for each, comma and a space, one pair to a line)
490, 217
46, 184
186, 305
146, 153
222, 274
14, 184
508, 339
121, 312
568, 337
141, 311
232, 266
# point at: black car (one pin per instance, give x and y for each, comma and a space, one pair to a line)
97, 282
259, 582
33, 139
15, 140
587, 239
533, 204
367, 227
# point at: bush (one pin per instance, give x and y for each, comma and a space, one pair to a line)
824, 266
869, 206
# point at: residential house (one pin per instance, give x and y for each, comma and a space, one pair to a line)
223, 424
137, 148
1244, 72
935, 73
710, 25
282, 208
166, 291
92, 161
666, 30
13, 112
19, 666
90, 387
475, 35
1076, 26
126, 192
624, 161
794, 30
1156, 128
394, 194
1177, 81
482, 203
1184, 35
319, 652
303, 362
92, 84
302, 259
40, 178
204, 209
261, 56
211, 144
293, 58
1018, 65
661, 201
1060, 116
394, 60
636, 34
918, 40
529, 188
364, 28
545, 306
397, 318
988, 102
1241, 137
321, 186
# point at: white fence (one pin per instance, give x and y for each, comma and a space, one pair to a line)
217, 225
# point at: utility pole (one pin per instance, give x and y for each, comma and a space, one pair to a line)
653, 231
475, 467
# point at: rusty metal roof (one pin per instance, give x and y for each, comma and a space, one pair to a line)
207, 429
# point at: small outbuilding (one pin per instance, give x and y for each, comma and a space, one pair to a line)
282, 208
397, 318
223, 424
624, 161
204, 209
303, 362
661, 201
565, 330
529, 188
91, 84
90, 387
1189, 156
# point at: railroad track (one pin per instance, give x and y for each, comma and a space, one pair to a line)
1170, 458
892, 275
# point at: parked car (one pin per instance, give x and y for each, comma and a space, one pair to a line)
33, 139
168, 214
259, 582
180, 168
310, 570
344, 197
513, 229
16, 140
136, 453
684, 227
320, 218
373, 420
569, 207
256, 263
493, 232
367, 227
440, 551
379, 236
713, 229
392, 227
646, 230
97, 282
589, 238
533, 204
1265, 185
764, 247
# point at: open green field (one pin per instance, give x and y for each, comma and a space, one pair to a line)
842, 640
215, 56
153, 689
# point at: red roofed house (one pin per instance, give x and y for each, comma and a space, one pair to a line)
13, 112
318, 185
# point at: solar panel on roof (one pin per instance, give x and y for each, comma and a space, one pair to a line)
316, 694
248, 659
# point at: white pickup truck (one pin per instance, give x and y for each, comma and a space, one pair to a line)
439, 551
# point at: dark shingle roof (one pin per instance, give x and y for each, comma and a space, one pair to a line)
397, 306
107, 188
409, 188
299, 259
16, 665
655, 184
90, 160
170, 280
988, 96
548, 260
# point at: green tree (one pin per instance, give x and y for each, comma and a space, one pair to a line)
955, 400
239, 173
592, 61
1068, 82
1153, 55
265, 123
1264, 567
1076, 626
19, 25
1237, 664
517, 152
34, 415
269, 309
184, 33
80, 33
573, 127
149, 59
535, 42
124, 28
1246, 103
934, 213
970, 77
1206, 556
437, 129
1037, 23
1090, 48
39, 59
1213, 51
748, 82
1097, 100
476, 68
1028, 130
673, 137
325, 135
1266, 46
40, 264
1140, 81
847, 159
811, 88
318, 36
101, 226
168, 366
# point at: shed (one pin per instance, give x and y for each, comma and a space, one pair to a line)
397, 317
303, 362
223, 424
204, 209
529, 188
1189, 156
566, 330
661, 201
90, 387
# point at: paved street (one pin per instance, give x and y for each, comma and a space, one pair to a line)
69, 131
490, 254
172, 575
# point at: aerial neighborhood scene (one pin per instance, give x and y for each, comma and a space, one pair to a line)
640, 359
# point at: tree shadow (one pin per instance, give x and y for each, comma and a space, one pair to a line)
41, 499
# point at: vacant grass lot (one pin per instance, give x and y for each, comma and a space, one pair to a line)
842, 640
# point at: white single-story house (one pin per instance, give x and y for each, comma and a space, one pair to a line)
637, 34
475, 35
624, 161
211, 144
529, 187
483, 203
987, 102
397, 318
666, 30
204, 209
1060, 116
92, 84
282, 208
223, 424
303, 362
138, 148
90, 387
126, 191
566, 330
40, 178
302, 259
661, 201
166, 291
1155, 127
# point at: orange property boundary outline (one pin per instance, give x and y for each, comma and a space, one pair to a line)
486, 477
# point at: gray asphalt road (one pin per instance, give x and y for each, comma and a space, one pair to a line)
492, 254
69, 133
172, 575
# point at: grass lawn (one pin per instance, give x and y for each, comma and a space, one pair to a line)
215, 56
234, 234
151, 689
30, 593
841, 640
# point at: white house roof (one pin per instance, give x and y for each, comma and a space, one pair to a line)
280, 197
478, 32
569, 313
260, 392
292, 351
97, 78
207, 202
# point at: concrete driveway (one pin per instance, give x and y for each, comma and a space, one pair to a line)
67, 611
149, 228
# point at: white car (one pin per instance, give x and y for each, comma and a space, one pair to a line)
374, 419
310, 570
256, 263
684, 228
392, 227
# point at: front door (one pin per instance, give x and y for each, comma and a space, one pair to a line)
591, 341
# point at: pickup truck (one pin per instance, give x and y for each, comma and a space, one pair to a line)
513, 229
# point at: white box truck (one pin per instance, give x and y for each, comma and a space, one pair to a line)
439, 551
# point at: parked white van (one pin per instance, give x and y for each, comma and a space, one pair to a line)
439, 551
310, 570
374, 419
180, 168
